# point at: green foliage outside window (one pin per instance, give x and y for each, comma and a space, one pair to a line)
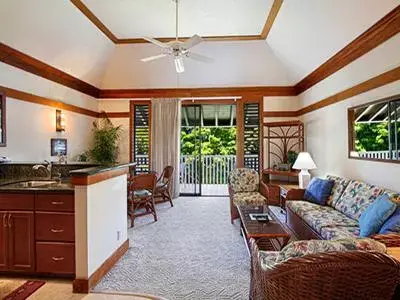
372, 137
214, 141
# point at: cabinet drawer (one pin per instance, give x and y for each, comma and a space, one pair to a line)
17, 201
55, 202
55, 226
55, 258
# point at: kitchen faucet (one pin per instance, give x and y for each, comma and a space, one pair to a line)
48, 168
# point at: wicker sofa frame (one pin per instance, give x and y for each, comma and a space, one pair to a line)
335, 275
303, 231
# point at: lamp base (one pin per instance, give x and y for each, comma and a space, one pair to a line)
304, 179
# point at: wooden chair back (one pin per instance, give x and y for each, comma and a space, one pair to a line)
166, 175
143, 182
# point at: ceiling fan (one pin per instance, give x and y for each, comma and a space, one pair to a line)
176, 48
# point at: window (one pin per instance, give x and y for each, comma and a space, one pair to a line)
374, 130
141, 136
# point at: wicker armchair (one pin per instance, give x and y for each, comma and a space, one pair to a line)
335, 275
244, 188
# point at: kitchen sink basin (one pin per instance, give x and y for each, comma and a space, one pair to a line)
35, 183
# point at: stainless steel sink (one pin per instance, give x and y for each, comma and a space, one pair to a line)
35, 183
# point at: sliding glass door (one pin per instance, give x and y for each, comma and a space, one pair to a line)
191, 145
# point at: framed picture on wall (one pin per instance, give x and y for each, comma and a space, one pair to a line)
58, 146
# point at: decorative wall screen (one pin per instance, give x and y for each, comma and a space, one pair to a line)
252, 136
141, 137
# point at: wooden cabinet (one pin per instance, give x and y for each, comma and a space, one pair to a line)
37, 233
3, 242
21, 242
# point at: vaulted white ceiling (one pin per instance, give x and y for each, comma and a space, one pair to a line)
138, 18
304, 35
307, 33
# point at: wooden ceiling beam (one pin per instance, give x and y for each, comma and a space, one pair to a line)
273, 13
377, 34
199, 92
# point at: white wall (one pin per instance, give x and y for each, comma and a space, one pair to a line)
243, 63
326, 128
30, 126
57, 33
100, 223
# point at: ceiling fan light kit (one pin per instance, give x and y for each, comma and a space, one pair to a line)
177, 49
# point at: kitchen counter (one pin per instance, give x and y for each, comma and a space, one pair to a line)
17, 185
100, 169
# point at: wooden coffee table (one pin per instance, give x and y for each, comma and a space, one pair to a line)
270, 236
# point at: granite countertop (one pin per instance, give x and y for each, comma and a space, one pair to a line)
100, 169
18, 185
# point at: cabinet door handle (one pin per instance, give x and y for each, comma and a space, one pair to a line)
4, 220
57, 202
57, 258
56, 230
9, 221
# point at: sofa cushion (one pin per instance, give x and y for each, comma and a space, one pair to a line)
244, 180
317, 216
268, 259
376, 214
340, 232
338, 188
253, 198
392, 224
356, 198
319, 190
302, 248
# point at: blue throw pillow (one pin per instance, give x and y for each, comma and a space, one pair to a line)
392, 224
319, 190
372, 219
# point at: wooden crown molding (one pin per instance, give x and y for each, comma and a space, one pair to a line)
380, 32
23, 96
199, 92
373, 83
32, 65
100, 25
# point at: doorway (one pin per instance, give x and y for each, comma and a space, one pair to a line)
208, 148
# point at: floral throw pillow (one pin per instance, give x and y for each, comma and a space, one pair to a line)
302, 248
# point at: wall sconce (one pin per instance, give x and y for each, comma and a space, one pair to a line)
60, 121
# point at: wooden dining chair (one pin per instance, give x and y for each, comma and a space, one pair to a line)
163, 186
141, 195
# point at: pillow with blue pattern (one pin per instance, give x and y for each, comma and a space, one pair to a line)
319, 190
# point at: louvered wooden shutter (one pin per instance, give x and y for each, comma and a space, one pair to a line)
141, 134
252, 136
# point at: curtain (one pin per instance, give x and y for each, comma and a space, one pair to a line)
165, 138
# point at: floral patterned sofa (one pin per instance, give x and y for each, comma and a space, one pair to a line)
319, 269
339, 218
245, 187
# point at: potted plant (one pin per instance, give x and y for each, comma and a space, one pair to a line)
291, 157
106, 137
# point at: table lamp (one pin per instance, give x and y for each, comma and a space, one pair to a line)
304, 163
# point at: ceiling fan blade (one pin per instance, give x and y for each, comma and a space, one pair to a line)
193, 41
199, 57
156, 42
150, 58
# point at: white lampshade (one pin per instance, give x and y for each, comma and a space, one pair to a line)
304, 162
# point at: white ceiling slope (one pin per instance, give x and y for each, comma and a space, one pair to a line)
55, 32
307, 33
137, 18
249, 63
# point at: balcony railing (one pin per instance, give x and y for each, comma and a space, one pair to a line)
379, 154
210, 169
